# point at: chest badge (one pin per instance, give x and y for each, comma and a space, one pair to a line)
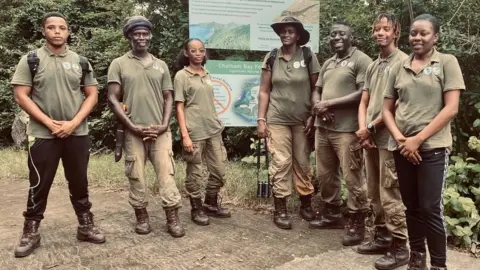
427, 71
350, 64
296, 64
208, 81
75, 67
66, 65
343, 63
302, 63
436, 69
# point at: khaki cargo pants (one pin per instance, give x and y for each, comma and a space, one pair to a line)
290, 160
160, 154
335, 150
384, 192
215, 155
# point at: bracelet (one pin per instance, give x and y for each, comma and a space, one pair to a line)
261, 118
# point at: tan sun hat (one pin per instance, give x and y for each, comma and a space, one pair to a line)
304, 34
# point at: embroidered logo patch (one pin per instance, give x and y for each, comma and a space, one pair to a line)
302, 63
75, 67
436, 69
344, 63
208, 81
427, 70
296, 64
350, 64
66, 65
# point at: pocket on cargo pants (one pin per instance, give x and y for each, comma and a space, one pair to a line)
131, 167
391, 178
356, 156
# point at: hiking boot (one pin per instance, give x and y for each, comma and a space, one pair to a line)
87, 231
418, 261
30, 239
438, 268
395, 257
173, 223
212, 207
355, 231
331, 218
380, 244
306, 211
280, 216
143, 223
198, 216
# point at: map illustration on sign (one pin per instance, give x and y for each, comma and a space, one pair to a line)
245, 24
236, 85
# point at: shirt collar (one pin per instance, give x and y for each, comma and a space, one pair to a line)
50, 53
350, 53
388, 58
435, 58
280, 52
191, 74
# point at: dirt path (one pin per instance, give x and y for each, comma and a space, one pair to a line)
246, 241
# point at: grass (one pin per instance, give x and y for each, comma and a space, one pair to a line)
240, 186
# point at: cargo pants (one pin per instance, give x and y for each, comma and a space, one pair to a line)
215, 155
290, 160
160, 154
335, 150
384, 192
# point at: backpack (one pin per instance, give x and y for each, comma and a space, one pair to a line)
33, 63
307, 56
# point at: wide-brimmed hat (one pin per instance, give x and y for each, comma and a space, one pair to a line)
304, 34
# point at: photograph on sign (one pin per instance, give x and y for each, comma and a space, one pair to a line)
245, 24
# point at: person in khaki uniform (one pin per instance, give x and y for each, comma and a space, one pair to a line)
58, 104
284, 117
336, 96
381, 174
201, 131
143, 82
421, 98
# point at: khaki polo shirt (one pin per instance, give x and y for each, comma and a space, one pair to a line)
290, 97
339, 77
420, 96
142, 87
55, 90
375, 81
196, 92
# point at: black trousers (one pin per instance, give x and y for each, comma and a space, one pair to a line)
43, 158
421, 187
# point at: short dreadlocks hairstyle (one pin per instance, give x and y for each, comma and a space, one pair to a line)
395, 24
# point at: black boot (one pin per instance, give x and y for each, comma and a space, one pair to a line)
306, 211
198, 216
418, 261
397, 256
143, 223
213, 208
280, 217
438, 268
331, 218
174, 226
380, 244
87, 231
355, 232
30, 239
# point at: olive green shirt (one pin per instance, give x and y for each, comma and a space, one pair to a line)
420, 96
142, 87
56, 89
339, 77
375, 80
196, 93
290, 96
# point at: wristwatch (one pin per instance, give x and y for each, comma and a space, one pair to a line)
371, 128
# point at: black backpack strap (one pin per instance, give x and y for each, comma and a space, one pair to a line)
85, 69
307, 57
33, 62
271, 59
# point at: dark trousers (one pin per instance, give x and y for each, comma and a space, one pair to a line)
421, 187
43, 158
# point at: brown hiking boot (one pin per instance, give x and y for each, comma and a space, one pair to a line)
87, 231
143, 223
197, 214
395, 257
331, 218
418, 261
280, 216
355, 231
30, 239
306, 211
380, 244
173, 223
212, 207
